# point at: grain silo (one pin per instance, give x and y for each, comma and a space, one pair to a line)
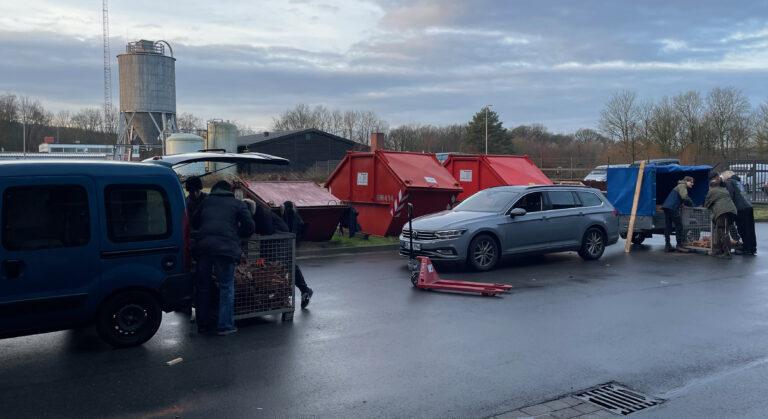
147, 94
222, 136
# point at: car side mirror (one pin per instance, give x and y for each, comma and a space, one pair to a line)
517, 212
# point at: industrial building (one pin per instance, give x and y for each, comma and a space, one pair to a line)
307, 149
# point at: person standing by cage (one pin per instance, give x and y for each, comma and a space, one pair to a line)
222, 222
268, 223
745, 217
723, 211
672, 218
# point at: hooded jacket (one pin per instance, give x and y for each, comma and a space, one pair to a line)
735, 189
719, 202
221, 222
677, 196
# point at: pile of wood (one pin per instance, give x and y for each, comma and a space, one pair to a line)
705, 242
261, 286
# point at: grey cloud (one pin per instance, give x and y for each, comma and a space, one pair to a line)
438, 62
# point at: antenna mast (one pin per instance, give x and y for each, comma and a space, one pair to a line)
107, 68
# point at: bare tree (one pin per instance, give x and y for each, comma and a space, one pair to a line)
34, 118
666, 126
620, 118
88, 119
760, 124
690, 109
727, 118
9, 108
187, 122
355, 125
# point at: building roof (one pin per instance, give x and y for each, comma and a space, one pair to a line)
261, 138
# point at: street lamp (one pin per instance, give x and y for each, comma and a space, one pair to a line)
486, 128
24, 138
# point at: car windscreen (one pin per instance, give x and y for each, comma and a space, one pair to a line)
489, 200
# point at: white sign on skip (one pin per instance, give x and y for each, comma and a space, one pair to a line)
465, 176
362, 178
430, 180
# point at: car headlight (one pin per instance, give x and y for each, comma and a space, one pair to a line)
449, 234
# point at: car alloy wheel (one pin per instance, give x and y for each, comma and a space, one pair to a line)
484, 253
595, 243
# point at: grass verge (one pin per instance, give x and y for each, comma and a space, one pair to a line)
761, 212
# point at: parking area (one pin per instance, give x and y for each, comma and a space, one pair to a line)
687, 328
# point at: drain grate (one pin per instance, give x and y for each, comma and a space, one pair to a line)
618, 399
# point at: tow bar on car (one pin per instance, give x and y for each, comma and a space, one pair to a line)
424, 276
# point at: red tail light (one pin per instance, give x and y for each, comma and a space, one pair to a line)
187, 243
615, 212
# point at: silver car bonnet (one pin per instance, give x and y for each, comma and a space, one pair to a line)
447, 220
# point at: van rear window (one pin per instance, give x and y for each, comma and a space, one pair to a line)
45, 217
137, 213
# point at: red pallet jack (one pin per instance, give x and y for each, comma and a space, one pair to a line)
424, 276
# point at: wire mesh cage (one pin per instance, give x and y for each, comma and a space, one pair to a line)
697, 225
264, 282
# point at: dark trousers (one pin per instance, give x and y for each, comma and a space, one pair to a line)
745, 222
301, 284
721, 240
672, 219
224, 269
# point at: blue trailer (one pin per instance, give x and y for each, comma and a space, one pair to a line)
658, 181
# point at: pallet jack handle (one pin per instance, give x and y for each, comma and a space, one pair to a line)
410, 229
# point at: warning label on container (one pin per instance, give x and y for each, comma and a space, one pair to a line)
465, 176
430, 180
362, 178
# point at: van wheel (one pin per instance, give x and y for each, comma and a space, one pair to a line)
593, 244
129, 318
638, 238
483, 253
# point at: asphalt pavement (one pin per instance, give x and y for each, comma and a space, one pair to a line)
685, 327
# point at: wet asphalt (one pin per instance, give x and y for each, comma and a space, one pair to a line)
688, 328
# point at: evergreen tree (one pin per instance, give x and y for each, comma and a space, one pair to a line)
498, 143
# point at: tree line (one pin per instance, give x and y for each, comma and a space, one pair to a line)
23, 117
697, 128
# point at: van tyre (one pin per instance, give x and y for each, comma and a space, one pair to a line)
592, 244
483, 253
129, 318
638, 238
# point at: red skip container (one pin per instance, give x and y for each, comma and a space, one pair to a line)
379, 184
478, 172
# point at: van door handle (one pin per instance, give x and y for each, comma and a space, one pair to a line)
12, 269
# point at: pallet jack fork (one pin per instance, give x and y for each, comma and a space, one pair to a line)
427, 278
424, 276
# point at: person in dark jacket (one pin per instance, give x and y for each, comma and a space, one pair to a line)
222, 221
293, 220
196, 195
268, 223
745, 217
671, 206
723, 210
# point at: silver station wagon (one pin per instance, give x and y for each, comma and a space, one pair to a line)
513, 220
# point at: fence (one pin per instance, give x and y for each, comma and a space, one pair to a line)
754, 177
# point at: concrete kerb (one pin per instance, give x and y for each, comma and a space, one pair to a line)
319, 253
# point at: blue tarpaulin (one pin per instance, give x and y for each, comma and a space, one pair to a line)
658, 182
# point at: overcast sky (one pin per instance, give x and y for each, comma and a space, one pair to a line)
431, 62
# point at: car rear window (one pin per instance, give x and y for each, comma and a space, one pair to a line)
45, 217
561, 199
137, 213
589, 199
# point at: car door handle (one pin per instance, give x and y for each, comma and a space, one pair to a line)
12, 269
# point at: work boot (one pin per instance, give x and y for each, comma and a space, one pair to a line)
668, 248
305, 297
680, 248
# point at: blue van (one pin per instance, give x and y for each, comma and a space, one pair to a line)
102, 243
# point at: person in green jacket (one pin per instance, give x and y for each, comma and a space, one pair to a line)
723, 211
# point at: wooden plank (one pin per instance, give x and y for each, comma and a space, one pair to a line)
633, 216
